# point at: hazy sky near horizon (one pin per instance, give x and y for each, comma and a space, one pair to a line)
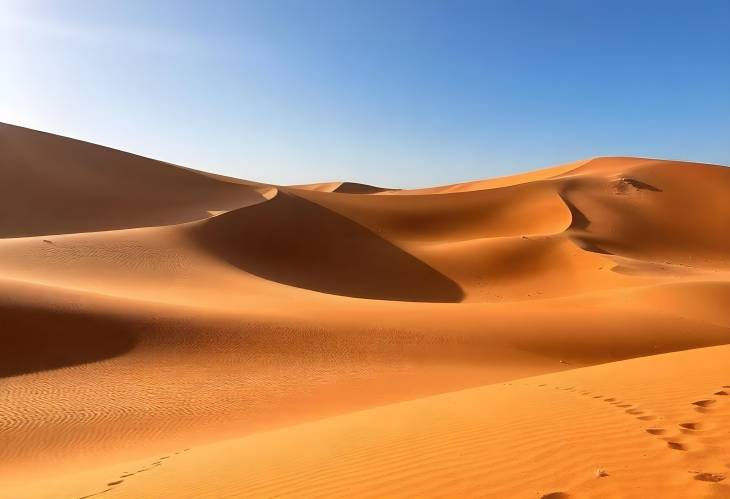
394, 93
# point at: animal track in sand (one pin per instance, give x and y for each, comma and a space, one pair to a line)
710, 477
126, 474
630, 409
95, 494
702, 405
672, 443
676, 446
688, 428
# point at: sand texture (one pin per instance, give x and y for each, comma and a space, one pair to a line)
169, 333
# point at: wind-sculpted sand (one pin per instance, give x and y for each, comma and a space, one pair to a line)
172, 333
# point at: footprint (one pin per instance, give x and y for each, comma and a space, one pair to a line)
624, 406
634, 412
646, 418
126, 474
721, 392
676, 446
555, 495
95, 494
656, 431
610, 400
704, 403
710, 477
690, 426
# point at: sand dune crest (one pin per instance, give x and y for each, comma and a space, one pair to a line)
172, 333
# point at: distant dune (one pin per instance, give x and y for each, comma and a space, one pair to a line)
171, 333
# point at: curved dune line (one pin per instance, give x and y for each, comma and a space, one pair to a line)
343, 187
291, 240
56, 185
171, 333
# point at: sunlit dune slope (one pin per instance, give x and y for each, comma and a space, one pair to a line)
313, 339
648, 427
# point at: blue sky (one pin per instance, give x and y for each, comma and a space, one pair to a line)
395, 93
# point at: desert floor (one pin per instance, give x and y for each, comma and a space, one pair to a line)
169, 333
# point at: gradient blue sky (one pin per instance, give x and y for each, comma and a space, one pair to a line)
396, 93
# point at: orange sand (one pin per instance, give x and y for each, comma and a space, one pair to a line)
172, 333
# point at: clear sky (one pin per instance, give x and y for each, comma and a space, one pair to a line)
395, 93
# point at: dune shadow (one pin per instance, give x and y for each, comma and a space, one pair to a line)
355, 188
580, 223
299, 243
37, 339
52, 185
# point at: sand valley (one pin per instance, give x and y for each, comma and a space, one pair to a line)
170, 333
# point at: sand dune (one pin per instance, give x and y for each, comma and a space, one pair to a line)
172, 333
636, 428
55, 185
344, 187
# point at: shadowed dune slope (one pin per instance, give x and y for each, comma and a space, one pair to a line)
355, 188
291, 240
490, 213
54, 185
659, 211
343, 187
38, 335
172, 333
